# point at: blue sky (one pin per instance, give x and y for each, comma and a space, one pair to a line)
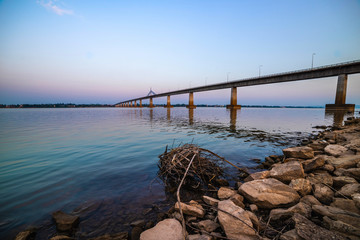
83, 51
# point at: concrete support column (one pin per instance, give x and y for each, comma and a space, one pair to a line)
233, 100
168, 105
140, 103
151, 105
340, 99
191, 101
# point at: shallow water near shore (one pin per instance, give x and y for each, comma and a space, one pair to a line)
101, 163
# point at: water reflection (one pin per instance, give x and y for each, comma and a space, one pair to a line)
191, 116
337, 116
233, 115
168, 114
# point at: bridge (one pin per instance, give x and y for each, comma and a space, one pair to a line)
342, 70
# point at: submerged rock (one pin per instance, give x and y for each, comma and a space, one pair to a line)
65, 222
168, 229
25, 235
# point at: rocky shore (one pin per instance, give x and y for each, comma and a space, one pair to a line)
310, 192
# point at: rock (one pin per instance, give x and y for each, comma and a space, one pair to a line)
269, 193
301, 185
117, 236
283, 214
339, 172
335, 150
170, 229
138, 223
191, 210
25, 235
308, 230
225, 193
339, 226
345, 161
299, 152
257, 175
199, 237
310, 200
229, 215
323, 193
339, 182
253, 208
345, 204
238, 184
208, 225
211, 201
61, 237
290, 235
319, 178
348, 190
312, 164
287, 171
238, 200
356, 199
65, 222
352, 172
338, 214
318, 145
329, 168
136, 232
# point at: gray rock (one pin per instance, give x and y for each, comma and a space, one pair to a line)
225, 193
196, 211
299, 152
287, 171
170, 229
339, 182
211, 201
335, 150
229, 215
301, 185
208, 225
312, 164
338, 214
345, 204
257, 175
65, 222
345, 161
283, 214
348, 190
310, 200
323, 193
269, 193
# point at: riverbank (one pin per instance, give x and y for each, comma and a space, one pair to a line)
311, 186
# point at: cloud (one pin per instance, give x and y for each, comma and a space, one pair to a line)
54, 7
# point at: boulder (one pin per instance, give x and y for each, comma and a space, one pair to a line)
191, 210
308, 230
323, 193
356, 199
211, 201
339, 182
310, 200
225, 193
345, 204
287, 171
257, 175
238, 200
279, 214
320, 178
318, 145
339, 226
299, 152
65, 222
229, 216
207, 225
335, 150
269, 193
312, 164
170, 229
348, 190
345, 161
338, 214
301, 185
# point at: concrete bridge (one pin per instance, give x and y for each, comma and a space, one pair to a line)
342, 70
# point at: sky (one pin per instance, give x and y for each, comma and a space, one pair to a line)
82, 51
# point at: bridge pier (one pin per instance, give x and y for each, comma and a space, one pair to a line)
191, 101
340, 98
168, 105
233, 100
151, 105
140, 103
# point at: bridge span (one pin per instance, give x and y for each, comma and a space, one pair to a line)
342, 70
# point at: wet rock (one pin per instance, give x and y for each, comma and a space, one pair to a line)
356, 199
312, 164
211, 201
229, 215
310, 200
287, 171
135, 233
65, 222
225, 193
345, 204
335, 150
348, 190
323, 193
290, 235
308, 230
195, 211
301, 185
339, 226
320, 178
283, 214
208, 225
167, 229
345, 161
25, 235
138, 223
339, 182
338, 214
299, 152
238, 200
257, 175
117, 236
269, 193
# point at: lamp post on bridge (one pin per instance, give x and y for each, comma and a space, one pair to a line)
260, 69
312, 60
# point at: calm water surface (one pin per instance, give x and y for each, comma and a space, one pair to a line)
53, 159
